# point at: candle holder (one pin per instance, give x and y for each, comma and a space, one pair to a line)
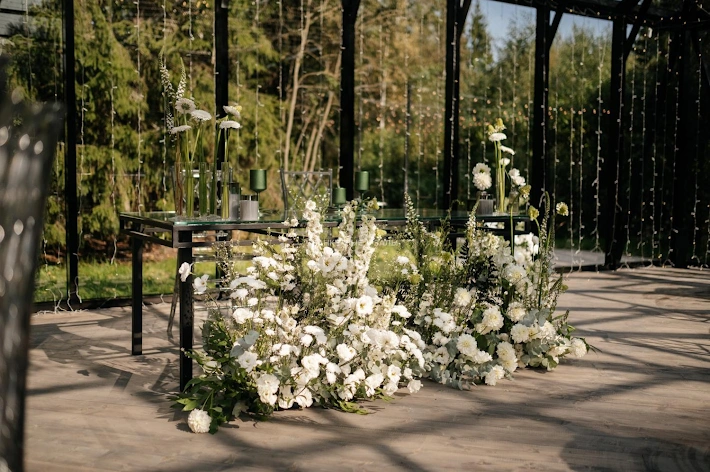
339, 197
362, 182
249, 208
257, 181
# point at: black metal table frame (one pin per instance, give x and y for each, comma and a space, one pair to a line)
144, 229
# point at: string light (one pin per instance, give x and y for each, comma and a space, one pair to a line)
595, 184
382, 111
655, 248
642, 210
673, 167
694, 256
139, 144
627, 244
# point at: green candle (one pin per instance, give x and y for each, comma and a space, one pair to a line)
362, 181
339, 196
257, 180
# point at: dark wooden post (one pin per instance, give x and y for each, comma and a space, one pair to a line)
538, 130
456, 12
221, 53
613, 166
686, 154
70, 184
347, 97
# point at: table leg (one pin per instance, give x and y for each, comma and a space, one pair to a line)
137, 297
186, 312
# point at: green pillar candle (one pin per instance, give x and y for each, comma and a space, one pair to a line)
362, 181
257, 180
339, 196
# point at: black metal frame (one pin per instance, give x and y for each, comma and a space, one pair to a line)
684, 22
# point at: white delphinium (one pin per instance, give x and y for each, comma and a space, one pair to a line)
199, 421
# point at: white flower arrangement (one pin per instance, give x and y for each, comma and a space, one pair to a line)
484, 313
304, 326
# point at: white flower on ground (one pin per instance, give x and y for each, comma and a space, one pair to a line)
200, 284
578, 349
506, 356
331, 372
199, 421
267, 385
285, 397
304, 398
345, 352
185, 270
492, 321
248, 360
462, 297
439, 339
507, 149
372, 382
467, 345
481, 357
229, 124
201, 115
184, 106
414, 386
179, 129
562, 209
497, 137
494, 375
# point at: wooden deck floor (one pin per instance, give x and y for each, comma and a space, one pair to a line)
643, 403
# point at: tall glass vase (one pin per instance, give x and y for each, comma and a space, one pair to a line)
178, 189
203, 198
189, 192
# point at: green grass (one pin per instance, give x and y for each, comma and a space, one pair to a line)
103, 280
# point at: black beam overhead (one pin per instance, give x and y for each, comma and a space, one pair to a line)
456, 13
602, 9
347, 96
221, 78
72, 203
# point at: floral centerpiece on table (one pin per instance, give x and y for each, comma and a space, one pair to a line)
505, 202
188, 126
304, 326
482, 311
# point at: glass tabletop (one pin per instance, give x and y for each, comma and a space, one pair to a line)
277, 216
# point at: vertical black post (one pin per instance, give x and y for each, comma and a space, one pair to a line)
456, 12
186, 309
70, 184
347, 97
137, 296
407, 135
539, 176
613, 165
686, 154
221, 78
451, 150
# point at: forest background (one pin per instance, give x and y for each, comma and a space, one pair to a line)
285, 60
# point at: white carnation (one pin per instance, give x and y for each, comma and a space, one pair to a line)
199, 421
492, 321
578, 349
494, 375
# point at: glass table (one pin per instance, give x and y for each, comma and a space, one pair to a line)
167, 229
